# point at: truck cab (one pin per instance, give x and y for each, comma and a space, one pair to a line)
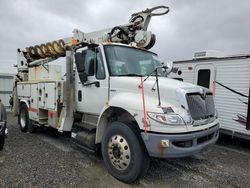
181, 122
180, 118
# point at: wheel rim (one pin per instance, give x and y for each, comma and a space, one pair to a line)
119, 152
22, 120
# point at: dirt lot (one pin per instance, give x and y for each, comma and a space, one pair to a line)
46, 159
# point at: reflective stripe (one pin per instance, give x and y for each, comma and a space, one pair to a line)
52, 114
33, 110
143, 106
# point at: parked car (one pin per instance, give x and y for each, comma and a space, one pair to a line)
3, 123
2, 134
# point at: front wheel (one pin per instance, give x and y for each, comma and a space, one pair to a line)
123, 153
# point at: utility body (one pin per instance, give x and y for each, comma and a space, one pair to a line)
116, 97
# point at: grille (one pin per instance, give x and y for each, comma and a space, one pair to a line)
200, 107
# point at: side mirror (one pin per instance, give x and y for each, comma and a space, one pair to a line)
83, 77
79, 60
175, 69
169, 67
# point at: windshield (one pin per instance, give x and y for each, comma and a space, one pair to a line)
125, 61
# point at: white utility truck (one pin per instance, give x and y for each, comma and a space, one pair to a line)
115, 97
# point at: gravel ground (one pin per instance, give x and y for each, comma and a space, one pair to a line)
46, 159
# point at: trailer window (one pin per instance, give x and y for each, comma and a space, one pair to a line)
204, 77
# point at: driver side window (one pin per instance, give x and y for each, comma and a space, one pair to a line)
93, 63
89, 62
99, 70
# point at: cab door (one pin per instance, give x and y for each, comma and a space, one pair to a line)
205, 75
92, 95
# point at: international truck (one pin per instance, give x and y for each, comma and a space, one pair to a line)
115, 98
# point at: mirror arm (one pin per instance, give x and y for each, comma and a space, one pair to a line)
97, 83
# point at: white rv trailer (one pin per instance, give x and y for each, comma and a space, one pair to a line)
229, 79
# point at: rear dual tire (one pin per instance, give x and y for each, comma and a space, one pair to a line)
25, 124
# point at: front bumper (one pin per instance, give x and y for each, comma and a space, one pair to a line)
179, 145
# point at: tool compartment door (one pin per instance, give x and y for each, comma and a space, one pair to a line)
23, 90
33, 109
41, 95
50, 96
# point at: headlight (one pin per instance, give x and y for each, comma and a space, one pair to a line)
168, 119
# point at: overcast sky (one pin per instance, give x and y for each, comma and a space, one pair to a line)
191, 25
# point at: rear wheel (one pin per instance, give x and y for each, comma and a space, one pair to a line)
24, 118
123, 153
31, 127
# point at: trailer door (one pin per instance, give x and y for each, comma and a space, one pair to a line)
205, 75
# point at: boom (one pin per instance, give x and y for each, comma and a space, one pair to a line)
133, 32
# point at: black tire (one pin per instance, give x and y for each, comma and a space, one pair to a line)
31, 127
2, 140
23, 118
123, 153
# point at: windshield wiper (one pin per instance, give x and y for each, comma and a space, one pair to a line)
157, 82
155, 71
135, 75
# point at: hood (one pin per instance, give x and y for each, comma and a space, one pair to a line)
169, 89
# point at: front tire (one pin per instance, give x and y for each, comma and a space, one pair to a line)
123, 153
